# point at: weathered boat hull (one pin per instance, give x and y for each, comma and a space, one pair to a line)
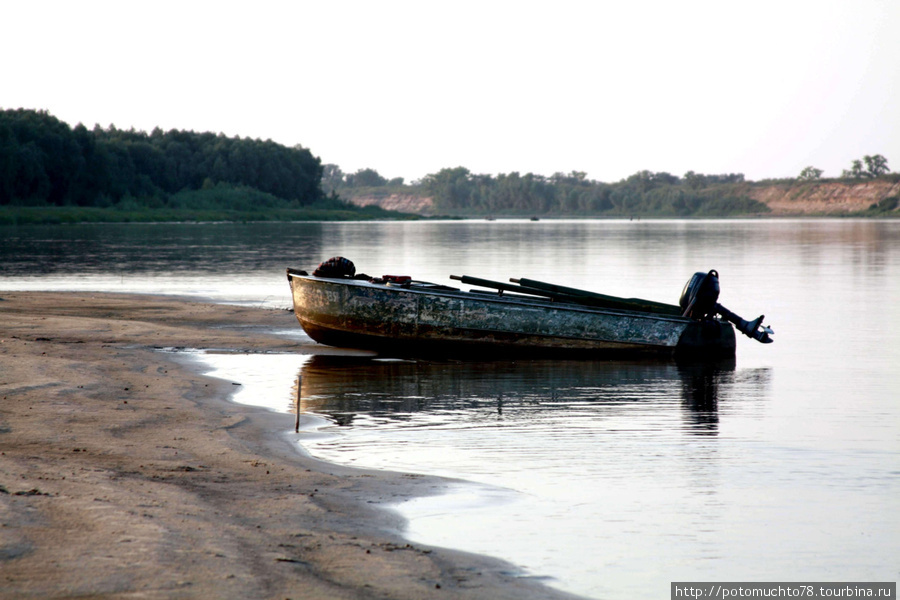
411, 320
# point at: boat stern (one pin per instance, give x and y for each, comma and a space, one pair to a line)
707, 338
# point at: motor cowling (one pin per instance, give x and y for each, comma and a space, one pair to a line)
336, 267
700, 295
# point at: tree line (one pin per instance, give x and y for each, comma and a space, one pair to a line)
459, 191
645, 192
44, 161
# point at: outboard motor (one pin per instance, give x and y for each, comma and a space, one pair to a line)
699, 300
700, 294
337, 266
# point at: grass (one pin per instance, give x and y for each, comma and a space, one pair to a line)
56, 215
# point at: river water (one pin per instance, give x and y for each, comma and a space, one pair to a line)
608, 479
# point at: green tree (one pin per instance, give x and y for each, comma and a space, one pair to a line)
450, 188
572, 178
694, 180
42, 160
876, 165
810, 174
332, 178
647, 180
366, 178
856, 171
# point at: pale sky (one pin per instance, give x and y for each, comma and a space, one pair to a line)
408, 88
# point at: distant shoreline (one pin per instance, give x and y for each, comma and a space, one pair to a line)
866, 198
62, 216
58, 215
873, 198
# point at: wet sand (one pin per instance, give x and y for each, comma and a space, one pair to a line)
124, 473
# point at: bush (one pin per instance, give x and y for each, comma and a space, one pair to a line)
224, 196
885, 205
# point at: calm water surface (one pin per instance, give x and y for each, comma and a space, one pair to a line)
609, 478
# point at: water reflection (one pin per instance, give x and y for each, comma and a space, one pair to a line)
526, 393
700, 385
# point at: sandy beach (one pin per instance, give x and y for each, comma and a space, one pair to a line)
126, 474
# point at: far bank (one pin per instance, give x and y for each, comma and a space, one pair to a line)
877, 197
867, 198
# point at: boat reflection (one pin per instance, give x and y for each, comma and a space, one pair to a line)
341, 388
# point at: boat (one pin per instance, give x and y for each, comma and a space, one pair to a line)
397, 315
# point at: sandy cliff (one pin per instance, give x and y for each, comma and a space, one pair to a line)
408, 203
823, 198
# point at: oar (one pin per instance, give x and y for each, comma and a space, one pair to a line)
604, 300
498, 285
560, 295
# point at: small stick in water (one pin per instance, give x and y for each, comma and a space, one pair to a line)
297, 417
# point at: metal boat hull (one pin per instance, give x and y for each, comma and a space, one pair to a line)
410, 320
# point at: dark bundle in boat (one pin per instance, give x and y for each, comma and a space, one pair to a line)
396, 314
